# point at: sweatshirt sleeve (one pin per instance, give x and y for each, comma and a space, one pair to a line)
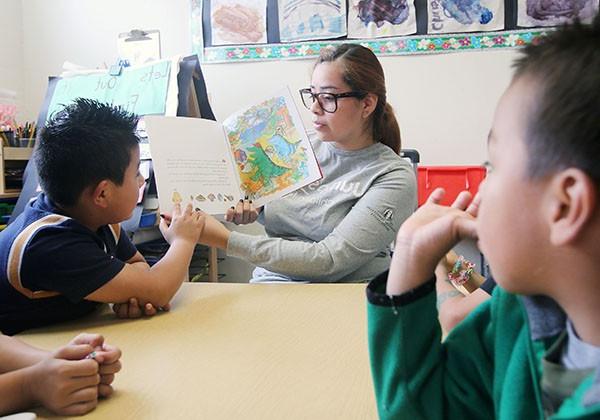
415, 374
364, 232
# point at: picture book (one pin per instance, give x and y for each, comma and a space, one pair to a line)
261, 152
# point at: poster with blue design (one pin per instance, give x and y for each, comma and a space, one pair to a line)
555, 12
381, 18
446, 16
301, 20
237, 22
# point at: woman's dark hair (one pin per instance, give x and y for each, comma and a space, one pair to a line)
362, 71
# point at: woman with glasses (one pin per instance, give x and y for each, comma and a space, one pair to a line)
338, 229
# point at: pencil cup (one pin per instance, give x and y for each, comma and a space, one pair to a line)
24, 142
8, 138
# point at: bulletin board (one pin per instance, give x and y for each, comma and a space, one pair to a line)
281, 29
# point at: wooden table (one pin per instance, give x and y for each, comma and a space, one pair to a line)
238, 351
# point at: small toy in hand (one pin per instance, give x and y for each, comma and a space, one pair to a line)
461, 271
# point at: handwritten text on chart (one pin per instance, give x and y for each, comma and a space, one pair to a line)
141, 90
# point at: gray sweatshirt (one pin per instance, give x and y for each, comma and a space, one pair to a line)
338, 229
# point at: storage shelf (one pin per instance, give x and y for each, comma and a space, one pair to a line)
17, 153
10, 194
10, 159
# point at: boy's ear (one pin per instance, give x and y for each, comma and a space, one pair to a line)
573, 204
101, 194
369, 104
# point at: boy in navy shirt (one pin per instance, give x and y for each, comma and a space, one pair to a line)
66, 252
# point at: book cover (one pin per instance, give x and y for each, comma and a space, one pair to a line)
261, 152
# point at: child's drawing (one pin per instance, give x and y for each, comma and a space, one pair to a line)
467, 12
311, 19
268, 148
238, 21
555, 12
381, 18
465, 15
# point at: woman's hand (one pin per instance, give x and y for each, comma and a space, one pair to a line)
243, 213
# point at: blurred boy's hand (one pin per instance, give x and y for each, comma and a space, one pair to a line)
65, 382
106, 355
213, 233
135, 309
424, 239
186, 225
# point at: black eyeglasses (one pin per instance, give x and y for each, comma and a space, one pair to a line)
327, 101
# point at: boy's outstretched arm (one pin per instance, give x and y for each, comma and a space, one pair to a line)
157, 284
15, 354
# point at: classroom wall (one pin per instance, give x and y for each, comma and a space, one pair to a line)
444, 102
11, 49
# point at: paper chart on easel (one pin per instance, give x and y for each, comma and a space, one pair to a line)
140, 89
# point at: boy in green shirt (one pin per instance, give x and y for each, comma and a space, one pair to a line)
533, 350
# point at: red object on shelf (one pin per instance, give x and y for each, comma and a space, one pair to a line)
453, 179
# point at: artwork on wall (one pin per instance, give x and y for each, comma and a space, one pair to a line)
446, 16
238, 22
289, 29
556, 12
381, 18
311, 19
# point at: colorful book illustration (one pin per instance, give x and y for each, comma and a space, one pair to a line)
261, 152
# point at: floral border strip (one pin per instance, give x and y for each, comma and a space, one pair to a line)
408, 45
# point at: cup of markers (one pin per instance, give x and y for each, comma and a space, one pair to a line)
7, 135
25, 135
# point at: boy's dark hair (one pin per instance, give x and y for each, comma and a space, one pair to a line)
564, 125
83, 144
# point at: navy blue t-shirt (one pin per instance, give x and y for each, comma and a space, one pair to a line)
50, 262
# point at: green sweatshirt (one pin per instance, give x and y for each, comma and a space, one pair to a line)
488, 367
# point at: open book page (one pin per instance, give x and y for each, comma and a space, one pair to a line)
192, 164
271, 150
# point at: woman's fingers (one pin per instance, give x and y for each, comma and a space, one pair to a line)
246, 208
